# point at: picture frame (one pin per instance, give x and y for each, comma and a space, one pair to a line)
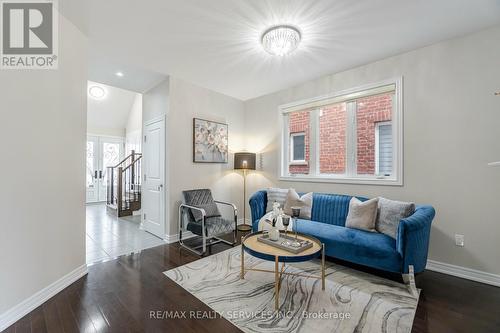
210, 141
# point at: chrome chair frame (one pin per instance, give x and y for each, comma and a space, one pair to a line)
206, 241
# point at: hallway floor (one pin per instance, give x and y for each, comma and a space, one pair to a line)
109, 236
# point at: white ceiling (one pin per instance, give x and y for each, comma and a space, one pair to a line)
110, 112
215, 43
102, 69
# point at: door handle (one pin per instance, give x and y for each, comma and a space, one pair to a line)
100, 174
160, 187
95, 174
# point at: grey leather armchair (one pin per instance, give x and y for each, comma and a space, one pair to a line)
199, 214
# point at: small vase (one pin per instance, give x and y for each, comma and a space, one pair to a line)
274, 234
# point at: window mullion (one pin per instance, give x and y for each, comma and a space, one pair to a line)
314, 142
351, 140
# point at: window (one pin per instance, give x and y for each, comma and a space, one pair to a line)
298, 148
383, 148
353, 136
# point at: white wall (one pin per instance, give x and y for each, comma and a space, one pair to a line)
451, 120
133, 130
109, 116
155, 102
188, 101
43, 125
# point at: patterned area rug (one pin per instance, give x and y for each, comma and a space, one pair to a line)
352, 301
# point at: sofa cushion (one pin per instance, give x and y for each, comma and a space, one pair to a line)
362, 215
331, 208
303, 202
358, 246
276, 195
390, 213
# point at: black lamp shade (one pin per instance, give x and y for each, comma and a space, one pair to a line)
244, 161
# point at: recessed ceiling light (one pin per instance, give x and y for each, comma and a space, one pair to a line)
97, 92
281, 40
120, 74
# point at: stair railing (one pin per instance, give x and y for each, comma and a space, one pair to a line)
124, 182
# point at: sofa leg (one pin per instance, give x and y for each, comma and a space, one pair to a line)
409, 280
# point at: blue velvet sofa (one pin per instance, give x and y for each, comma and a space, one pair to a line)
377, 250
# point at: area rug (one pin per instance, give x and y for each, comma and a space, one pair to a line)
352, 301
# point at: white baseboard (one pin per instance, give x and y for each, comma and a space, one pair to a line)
20, 310
169, 239
464, 272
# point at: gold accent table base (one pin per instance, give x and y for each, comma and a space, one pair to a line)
278, 273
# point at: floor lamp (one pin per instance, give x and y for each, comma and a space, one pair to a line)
245, 162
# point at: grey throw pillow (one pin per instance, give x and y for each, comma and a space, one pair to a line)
390, 212
304, 203
362, 215
276, 195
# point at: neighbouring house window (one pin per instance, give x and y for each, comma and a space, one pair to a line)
298, 148
353, 136
383, 148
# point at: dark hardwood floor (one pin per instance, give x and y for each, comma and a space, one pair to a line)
118, 295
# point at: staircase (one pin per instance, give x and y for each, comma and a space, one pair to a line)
123, 186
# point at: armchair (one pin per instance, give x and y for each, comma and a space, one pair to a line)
202, 217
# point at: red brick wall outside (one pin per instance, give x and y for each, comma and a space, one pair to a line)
299, 122
371, 110
332, 125
332, 132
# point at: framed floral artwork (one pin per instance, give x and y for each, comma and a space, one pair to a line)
210, 141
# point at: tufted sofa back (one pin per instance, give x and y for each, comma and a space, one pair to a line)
326, 208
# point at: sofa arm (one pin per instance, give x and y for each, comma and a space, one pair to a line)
258, 202
412, 240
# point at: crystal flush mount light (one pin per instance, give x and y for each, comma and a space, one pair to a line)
281, 40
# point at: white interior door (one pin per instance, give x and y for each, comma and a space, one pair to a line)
153, 196
101, 153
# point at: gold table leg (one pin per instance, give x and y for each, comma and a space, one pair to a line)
242, 273
322, 266
276, 282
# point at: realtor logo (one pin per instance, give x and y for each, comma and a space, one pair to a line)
29, 35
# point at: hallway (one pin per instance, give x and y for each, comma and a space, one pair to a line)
109, 236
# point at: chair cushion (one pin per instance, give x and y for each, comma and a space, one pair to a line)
358, 246
215, 226
201, 198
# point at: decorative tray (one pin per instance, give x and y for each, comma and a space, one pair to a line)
301, 245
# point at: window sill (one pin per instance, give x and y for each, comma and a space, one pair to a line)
344, 180
299, 163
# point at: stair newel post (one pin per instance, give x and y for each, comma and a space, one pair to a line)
119, 191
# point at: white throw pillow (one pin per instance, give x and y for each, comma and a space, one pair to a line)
304, 203
362, 215
275, 195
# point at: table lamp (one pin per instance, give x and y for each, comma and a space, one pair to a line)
244, 161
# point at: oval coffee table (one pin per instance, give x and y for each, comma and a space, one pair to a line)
252, 246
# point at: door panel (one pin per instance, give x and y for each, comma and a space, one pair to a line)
111, 154
101, 153
92, 166
153, 197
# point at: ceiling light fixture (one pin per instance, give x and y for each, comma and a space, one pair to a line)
97, 92
120, 74
281, 40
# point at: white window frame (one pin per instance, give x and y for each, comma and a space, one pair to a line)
292, 161
315, 104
